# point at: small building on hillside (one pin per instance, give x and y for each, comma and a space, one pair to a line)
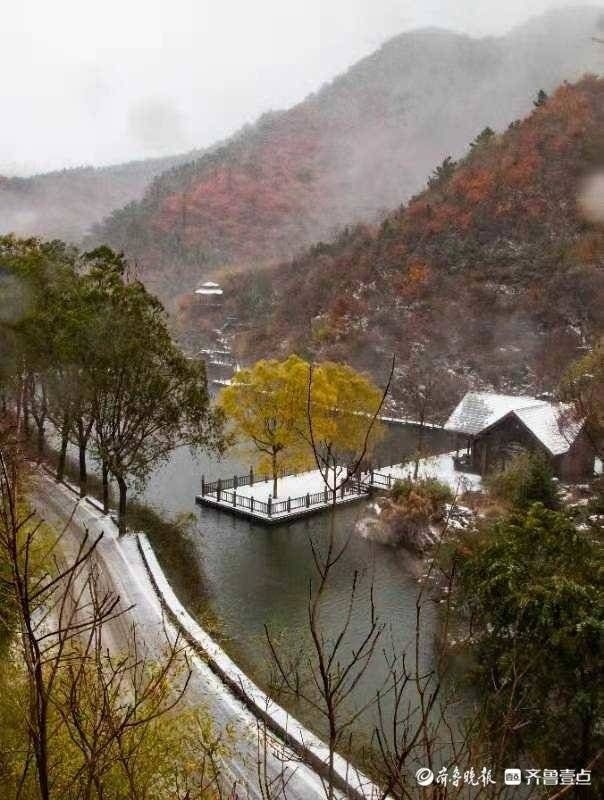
210, 294
493, 428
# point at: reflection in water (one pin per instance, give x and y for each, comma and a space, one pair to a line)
255, 576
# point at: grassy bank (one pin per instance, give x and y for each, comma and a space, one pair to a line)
170, 537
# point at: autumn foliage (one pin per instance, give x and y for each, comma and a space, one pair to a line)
359, 147
493, 265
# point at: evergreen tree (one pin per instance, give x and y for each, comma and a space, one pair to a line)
542, 98
483, 137
147, 397
527, 479
442, 173
531, 588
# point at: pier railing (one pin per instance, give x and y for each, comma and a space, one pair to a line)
379, 479
225, 493
249, 479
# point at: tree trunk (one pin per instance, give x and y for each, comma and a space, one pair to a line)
275, 475
331, 768
122, 504
105, 469
41, 421
40, 438
25, 416
82, 442
40, 743
63, 449
420, 446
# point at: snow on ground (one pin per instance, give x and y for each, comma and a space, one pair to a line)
312, 482
440, 467
127, 574
261, 704
409, 421
294, 487
291, 485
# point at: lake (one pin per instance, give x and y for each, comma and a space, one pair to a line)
238, 577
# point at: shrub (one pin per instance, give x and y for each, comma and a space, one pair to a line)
527, 479
530, 591
414, 506
428, 494
596, 504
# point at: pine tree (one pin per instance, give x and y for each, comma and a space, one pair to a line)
442, 173
483, 137
542, 98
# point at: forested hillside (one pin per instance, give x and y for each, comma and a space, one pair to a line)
67, 203
360, 146
497, 268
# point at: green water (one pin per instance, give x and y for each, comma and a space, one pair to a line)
241, 577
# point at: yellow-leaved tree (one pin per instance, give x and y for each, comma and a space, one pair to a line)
285, 409
343, 403
266, 407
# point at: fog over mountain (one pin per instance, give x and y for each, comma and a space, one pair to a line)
370, 137
102, 83
495, 268
362, 145
64, 204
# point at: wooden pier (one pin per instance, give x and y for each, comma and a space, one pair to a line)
246, 496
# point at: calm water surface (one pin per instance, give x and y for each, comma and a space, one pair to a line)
241, 576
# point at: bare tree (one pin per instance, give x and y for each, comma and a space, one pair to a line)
41, 596
103, 707
108, 704
332, 670
419, 722
429, 723
427, 393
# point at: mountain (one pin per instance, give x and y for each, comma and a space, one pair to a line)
495, 270
67, 203
362, 144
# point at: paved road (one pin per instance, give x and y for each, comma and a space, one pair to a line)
122, 570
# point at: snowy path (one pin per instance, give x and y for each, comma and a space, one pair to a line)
124, 572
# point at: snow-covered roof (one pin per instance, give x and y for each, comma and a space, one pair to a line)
208, 290
550, 425
209, 287
545, 420
480, 410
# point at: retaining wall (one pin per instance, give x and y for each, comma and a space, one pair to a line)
352, 783
305, 744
